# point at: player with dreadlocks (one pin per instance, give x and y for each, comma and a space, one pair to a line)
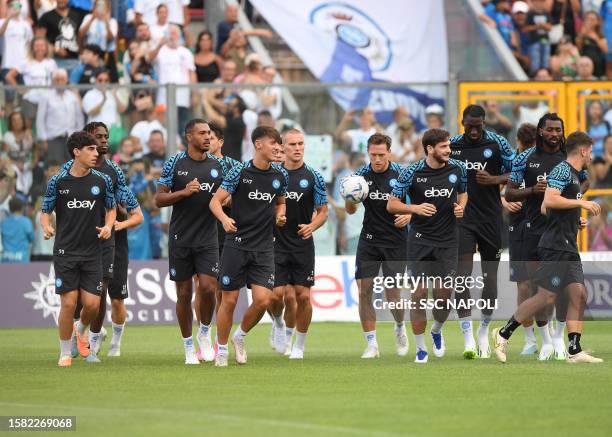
530, 170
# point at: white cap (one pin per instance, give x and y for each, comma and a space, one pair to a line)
434, 109
520, 6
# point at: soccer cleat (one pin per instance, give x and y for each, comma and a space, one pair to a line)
239, 349
191, 357
65, 362
559, 348
74, 350
296, 354
439, 348
421, 357
114, 350
206, 352
271, 338
221, 360
103, 334
484, 350
583, 357
92, 358
82, 343
546, 352
529, 349
288, 349
280, 339
469, 352
370, 352
500, 345
401, 342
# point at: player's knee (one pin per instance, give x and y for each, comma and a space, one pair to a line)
303, 299
229, 301
290, 300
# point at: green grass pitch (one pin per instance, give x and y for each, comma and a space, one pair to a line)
149, 391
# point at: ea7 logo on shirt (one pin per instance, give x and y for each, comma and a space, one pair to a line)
455, 152
258, 195
81, 204
64, 191
377, 195
421, 179
247, 181
294, 195
441, 192
474, 165
183, 173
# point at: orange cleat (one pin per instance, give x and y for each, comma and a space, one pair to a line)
65, 362
82, 343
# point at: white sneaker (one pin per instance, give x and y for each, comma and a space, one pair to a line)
280, 339
288, 342
530, 348
371, 352
114, 350
546, 352
439, 347
500, 345
560, 350
221, 360
206, 352
421, 357
401, 342
103, 334
583, 357
296, 354
241, 355
191, 357
484, 350
469, 351
271, 338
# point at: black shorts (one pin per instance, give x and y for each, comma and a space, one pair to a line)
108, 261
241, 267
557, 269
370, 259
78, 274
184, 262
294, 268
484, 236
117, 286
432, 261
518, 267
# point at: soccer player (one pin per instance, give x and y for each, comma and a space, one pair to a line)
526, 136
80, 196
437, 188
258, 191
188, 181
532, 168
488, 160
382, 242
294, 251
560, 269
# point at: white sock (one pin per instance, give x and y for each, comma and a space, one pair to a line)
530, 334
278, 321
399, 327
222, 349
75, 320
188, 343
117, 333
289, 333
65, 348
466, 328
371, 338
80, 327
437, 327
204, 330
94, 338
239, 333
300, 339
545, 334
419, 341
559, 330
484, 325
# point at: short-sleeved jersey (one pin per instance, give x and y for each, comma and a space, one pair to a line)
230, 163
440, 188
378, 224
562, 224
493, 154
305, 192
192, 224
255, 193
80, 204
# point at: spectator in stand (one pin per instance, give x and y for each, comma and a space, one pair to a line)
19, 145
232, 121
59, 114
564, 64
16, 33
542, 75
356, 140
235, 48
124, 154
146, 11
143, 39
403, 144
585, 69
434, 116
399, 114
519, 19
91, 62
605, 13
502, 20
178, 13
159, 29
37, 71
217, 96
100, 29
271, 98
42, 249
61, 28
563, 12
17, 234
83, 7
225, 27
602, 173
157, 146
139, 240
174, 64
44, 6
143, 129
495, 120
597, 128
530, 111
207, 62
538, 26
103, 104
139, 70
592, 42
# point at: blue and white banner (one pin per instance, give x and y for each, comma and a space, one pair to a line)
369, 41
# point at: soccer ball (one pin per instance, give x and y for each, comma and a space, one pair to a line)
354, 189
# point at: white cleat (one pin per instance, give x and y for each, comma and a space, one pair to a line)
500, 345
206, 352
583, 357
221, 360
530, 348
114, 350
280, 339
560, 350
241, 355
484, 350
371, 352
439, 347
421, 357
191, 357
296, 354
546, 352
271, 338
401, 342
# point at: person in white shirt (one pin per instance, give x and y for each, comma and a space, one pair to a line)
271, 98
142, 130
159, 29
145, 11
59, 114
16, 33
178, 12
357, 139
37, 70
174, 64
102, 104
